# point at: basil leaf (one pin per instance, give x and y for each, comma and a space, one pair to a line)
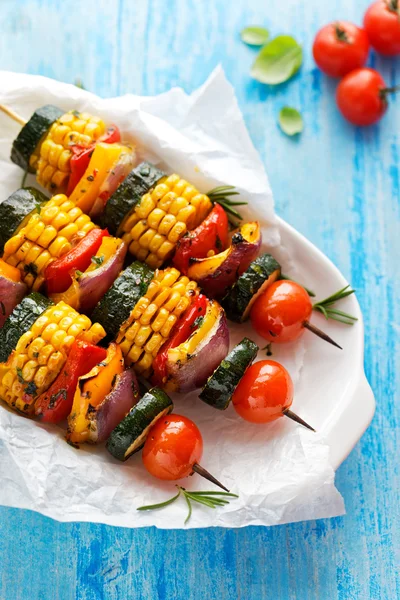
254, 36
278, 61
290, 121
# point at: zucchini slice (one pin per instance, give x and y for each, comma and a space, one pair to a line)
130, 435
128, 195
20, 321
262, 272
31, 134
220, 387
115, 306
16, 210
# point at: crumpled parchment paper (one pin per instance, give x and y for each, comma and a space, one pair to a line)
281, 471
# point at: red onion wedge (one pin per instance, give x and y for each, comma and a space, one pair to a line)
11, 294
190, 364
115, 407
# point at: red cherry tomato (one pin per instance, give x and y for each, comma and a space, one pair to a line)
278, 315
382, 25
264, 392
172, 447
361, 97
340, 48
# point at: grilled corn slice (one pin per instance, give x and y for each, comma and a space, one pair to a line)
162, 217
41, 353
47, 236
153, 317
52, 157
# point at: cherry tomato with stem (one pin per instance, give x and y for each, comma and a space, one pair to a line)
362, 96
340, 48
265, 394
282, 314
382, 25
173, 449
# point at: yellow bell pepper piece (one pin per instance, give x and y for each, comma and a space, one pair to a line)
90, 392
104, 157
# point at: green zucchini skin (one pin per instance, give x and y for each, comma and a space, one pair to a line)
15, 209
20, 321
32, 132
128, 195
115, 306
262, 272
221, 386
130, 435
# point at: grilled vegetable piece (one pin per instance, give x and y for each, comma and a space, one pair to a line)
45, 237
91, 391
216, 274
115, 306
52, 158
210, 237
162, 217
89, 287
21, 320
29, 138
130, 435
263, 271
12, 290
151, 321
115, 406
106, 160
220, 387
128, 195
54, 405
16, 211
189, 363
41, 352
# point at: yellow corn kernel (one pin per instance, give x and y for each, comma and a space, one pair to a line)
147, 203
134, 354
168, 325
165, 250
178, 230
139, 229
143, 334
146, 238
177, 205
155, 217
166, 224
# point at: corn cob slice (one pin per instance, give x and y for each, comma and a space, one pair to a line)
47, 236
153, 317
41, 353
51, 159
162, 217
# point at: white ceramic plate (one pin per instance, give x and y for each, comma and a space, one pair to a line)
340, 400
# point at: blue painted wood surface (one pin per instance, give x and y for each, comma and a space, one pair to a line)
336, 184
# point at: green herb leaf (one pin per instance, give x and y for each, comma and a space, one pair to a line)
161, 504
222, 195
79, 83
278, 61
254, 35
326, 307
97, 260
290, 121
78, 274
19, 375
309, 292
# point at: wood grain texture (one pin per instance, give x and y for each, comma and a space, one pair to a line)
337, 185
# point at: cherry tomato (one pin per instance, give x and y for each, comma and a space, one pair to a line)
361, 97
264, 392
382, 25
172, 447
340, 48
278, 315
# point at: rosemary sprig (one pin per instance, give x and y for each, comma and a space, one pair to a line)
210, 499
309, 292
326, 307
222, 196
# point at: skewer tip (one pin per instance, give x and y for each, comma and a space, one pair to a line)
321, 334
297, 419
201, 471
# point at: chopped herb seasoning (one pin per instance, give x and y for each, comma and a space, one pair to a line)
31, 268
31, 388
90, 178
19, 375
97, 260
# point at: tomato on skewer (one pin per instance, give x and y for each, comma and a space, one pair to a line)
265, 393
173, 449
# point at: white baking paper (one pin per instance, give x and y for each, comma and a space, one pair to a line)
280, 471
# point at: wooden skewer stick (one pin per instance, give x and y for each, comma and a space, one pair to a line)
321, 334
294, 417
13, 115
201, 471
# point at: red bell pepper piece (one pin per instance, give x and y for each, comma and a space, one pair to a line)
58, 273
180, 333
211, 235
82, 155
55, 405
